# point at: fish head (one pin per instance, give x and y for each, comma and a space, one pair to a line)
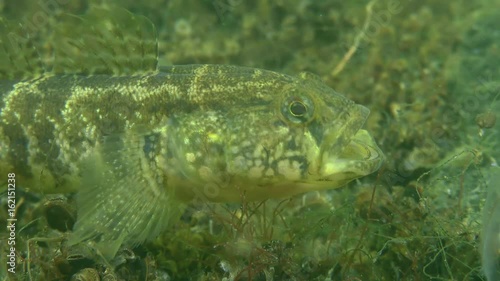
302, 136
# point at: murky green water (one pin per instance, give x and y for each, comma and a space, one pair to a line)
429, 72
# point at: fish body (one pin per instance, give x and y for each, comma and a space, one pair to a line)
207, 122
136, 144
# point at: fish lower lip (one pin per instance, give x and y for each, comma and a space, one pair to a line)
361, 157
362, 148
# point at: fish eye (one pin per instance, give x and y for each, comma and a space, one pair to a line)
298, 109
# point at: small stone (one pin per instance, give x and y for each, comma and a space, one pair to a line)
60, 214
183, 27
86, 274
486, 120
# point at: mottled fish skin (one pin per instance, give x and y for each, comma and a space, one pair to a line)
135, 145
52, 123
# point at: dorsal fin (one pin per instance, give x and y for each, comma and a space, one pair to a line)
105, 40
19, 56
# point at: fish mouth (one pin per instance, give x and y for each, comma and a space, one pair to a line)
360, 158
350, 152
339, 135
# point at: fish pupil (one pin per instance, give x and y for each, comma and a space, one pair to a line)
298, 109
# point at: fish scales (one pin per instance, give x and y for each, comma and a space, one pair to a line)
136, 140
65, 115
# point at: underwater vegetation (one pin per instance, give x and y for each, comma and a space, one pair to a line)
428, 72
491, 229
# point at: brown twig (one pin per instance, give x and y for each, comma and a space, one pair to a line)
340, 66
